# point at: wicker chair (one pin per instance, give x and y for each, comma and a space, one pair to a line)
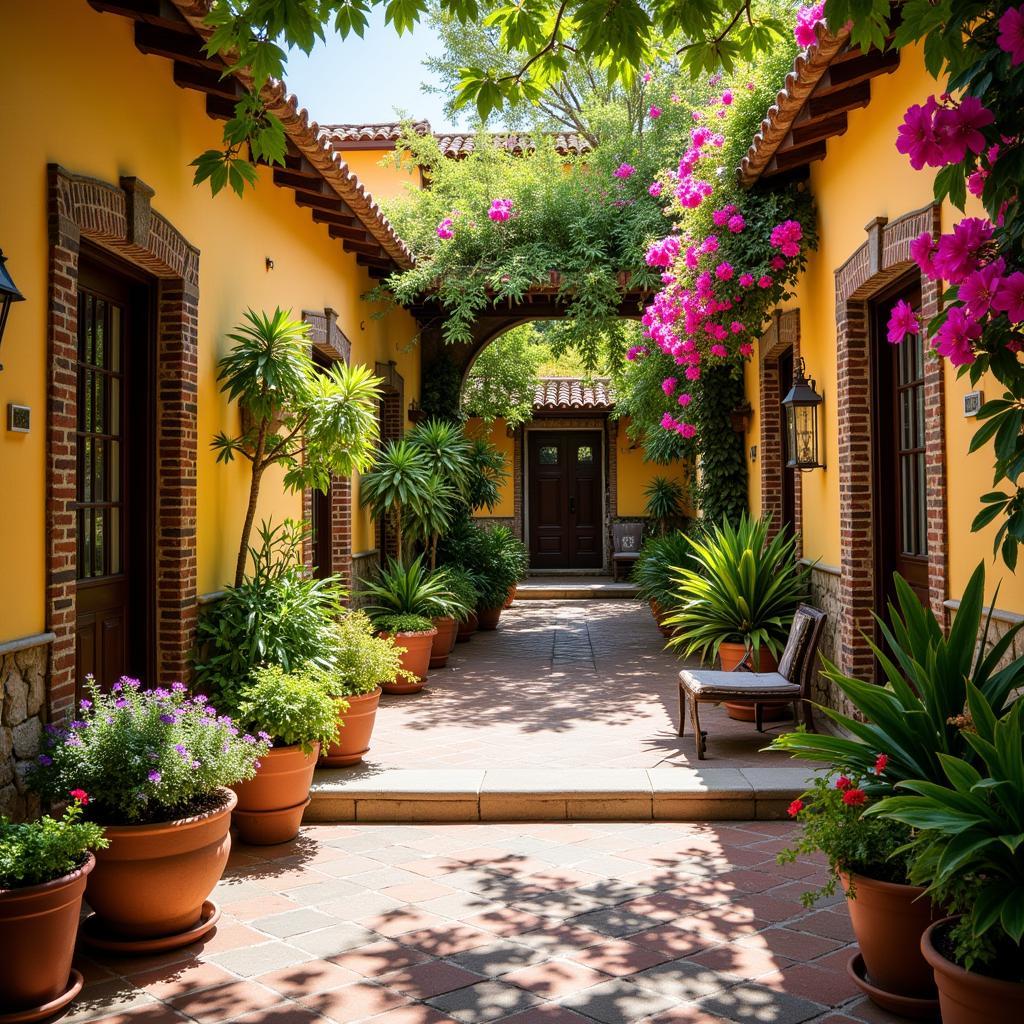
792, 682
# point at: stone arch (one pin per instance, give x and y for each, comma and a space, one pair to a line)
120, 219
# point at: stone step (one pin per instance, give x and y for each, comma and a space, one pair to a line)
577, 590
365, 793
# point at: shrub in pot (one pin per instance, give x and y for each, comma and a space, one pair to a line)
868, 856
297, 713
413, 636
364, 664
43, 869
451, 607
653, 573
969, 852
461, 584
501, 562
156, 765
740, 599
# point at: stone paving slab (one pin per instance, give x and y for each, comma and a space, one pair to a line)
697, 925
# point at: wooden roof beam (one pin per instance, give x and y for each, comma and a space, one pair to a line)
361, 248
795, 156
849, 98
299, 180
325, 201
191, 76
860, 69
165, 41
815, 130
341, 220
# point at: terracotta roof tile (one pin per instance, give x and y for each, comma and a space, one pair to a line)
555, 393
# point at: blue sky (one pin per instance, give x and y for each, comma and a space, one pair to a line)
364, 80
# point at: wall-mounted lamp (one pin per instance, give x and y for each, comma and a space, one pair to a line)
268, 263
9, 294
801, 405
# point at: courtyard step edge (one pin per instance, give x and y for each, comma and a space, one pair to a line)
365, 793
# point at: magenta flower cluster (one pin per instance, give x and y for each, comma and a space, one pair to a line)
446, 229
501, 210
806, 19
936, 133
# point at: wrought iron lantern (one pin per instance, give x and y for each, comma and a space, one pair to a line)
9, 294
801, 405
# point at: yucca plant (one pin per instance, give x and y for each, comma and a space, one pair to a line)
433, 513
447, 449
653, 570
395, 485
664, 505
486, 475
914, 719
969, 849
745, 589
411, 590
311, 423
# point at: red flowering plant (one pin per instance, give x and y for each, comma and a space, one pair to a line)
969, 135
833, 821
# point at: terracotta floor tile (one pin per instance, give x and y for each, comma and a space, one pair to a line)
379, 958
829, 987
401, 921
154, 1013
283, 1013
505, 921
546, 1013
230, 935
213, 1005
354, 1002
181, 979
446, 939
413, 1013
787, 942
249, 908
307, 978
417, 892
744, 963
619, 958
423, 981
555, 978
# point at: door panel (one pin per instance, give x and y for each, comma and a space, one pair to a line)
901, 502
113, 504
566, 521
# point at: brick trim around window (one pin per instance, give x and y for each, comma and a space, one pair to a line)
121, 220
783, 333
881, 261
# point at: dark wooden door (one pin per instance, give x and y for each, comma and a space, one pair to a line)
788, 475
901, 496
114, 477
566, 515
320, 512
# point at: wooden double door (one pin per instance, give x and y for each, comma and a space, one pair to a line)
566, 521
115, 483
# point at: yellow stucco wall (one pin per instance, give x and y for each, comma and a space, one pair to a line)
385, 181
92, 103
498, 436
863, 177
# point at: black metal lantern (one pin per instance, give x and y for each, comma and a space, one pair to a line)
801, 405
9, 294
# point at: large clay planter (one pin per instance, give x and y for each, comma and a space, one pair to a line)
467, 628
356, 729
270, 804
966, 997
443, 642
888, 921
38, 926
415, 660
511, 596
730, 655
660, 615
153, 880
488, 617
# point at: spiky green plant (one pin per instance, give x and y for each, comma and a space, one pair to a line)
664, 505
653, 572
395, 485
410, 590
745, 589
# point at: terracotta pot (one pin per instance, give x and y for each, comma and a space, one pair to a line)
270, 805
415, 660
511, 596
888, 920
488, 617
730, 655
660, 615
152, 880
356, 728
446, 629
38, 926
467, 628
964, 996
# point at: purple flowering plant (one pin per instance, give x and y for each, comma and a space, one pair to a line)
144, 754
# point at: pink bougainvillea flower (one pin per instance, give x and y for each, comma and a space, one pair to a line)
958, 253
736, 223
976, 182
786, 237
746, 349
686, 430
693, 373
654, 189
636, 352
778, 263
668, 421
684, 399
922, 252
764, 281
953, 339
719, 350
674, 98
654, 113
902, 321
669, 385
445, 229
958, 129
624, 171
709, 245
724, 271
979, 288
647, 76
917, 138
501, 210
697, 115
663, 252
806, 19
746, 280
1011, 34
736, 327
727, 97
1009, 297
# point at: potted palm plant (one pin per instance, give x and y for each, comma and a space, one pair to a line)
394, 487
739, 600
44, 865
500, 563
156, 765
364, 663
298, 714
969, 851
906, 730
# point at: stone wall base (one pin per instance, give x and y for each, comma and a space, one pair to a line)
24, 678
